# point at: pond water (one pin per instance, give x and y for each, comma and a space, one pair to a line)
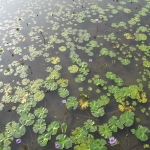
74, 75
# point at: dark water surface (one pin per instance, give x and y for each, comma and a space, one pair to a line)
20, 23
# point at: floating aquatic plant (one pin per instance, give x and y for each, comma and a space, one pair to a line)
83, 104
39, 95
41, 112
71, 103
141, 133
63, 141
39, 126
73, 69
63, 92
55, 60
105, 131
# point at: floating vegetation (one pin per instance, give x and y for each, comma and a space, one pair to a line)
77, 73
83, 104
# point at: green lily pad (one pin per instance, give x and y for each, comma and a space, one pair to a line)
62, 48
96, 109
119, 81
6, 139
127, 118
111, 75
104, 100
140, 37
113, 123
125, 61
90, 125
73, 69
99, 82
80, 78
141, 133
64, 141
105, 131
63, 92
39, 126
15, 129
71, 103
39, 95
63, 127
27, 119
53, 127
41, 112
79, 135
43, 139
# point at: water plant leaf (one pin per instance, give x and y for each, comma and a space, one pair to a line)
98, 144
140, 37
141, 133
5, 138
110, 75
73, 68
79, 135
62, 82
27, 119
83, 104
55, 60
43, 138
39, 95
119, 81
15, 129
119, 124
39, 126
112, 123
122, 107
63, 127
99, 82
80, 78
93, 43
125, 61
127, 118
104, 100
84, 71
96, 109
104, 51
23, 108
63, 92
63, 141
62, 48
105, 131
41, 112
53, 127
54, 74
90, 125
71, 103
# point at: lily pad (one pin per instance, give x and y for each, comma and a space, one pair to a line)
105, 131
41, 112
64, 141
53, 128
71, 103
127, 118
63, 92
43, 139
39, 126
141, 133
39, 95
73, 69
